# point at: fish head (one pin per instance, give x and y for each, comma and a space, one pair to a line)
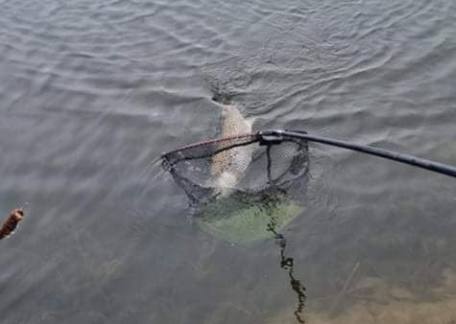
222, 98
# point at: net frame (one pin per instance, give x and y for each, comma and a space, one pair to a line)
246, 139
208, 148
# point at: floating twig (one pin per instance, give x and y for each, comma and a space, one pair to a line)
11, 222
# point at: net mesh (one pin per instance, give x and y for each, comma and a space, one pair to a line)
246, 163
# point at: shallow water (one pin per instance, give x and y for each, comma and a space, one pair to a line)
91, 92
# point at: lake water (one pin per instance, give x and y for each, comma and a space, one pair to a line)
91, 92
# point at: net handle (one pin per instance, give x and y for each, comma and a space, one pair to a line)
277, 135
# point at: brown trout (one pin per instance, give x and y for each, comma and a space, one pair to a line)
228, 166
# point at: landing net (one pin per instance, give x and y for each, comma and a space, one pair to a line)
244, 163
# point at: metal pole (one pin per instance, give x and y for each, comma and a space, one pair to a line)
387, 154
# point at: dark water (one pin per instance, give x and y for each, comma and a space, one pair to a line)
91, 92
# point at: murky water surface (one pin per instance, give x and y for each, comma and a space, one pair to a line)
91, 92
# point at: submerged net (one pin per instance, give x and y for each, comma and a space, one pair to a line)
248, 163
242, 184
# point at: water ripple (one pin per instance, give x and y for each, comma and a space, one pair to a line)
93, 91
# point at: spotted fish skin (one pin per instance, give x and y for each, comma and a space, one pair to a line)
228, 166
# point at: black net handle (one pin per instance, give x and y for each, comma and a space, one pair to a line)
278, 135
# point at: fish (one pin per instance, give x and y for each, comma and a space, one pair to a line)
11, 222
228, 166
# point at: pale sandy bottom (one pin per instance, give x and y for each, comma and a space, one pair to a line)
387, 304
